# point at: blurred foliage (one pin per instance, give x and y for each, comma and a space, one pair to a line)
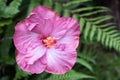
98, 51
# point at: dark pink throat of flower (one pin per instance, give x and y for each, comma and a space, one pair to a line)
49, 41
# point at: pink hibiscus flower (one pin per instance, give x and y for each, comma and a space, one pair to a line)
46, 42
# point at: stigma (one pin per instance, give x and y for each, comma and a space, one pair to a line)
49, 41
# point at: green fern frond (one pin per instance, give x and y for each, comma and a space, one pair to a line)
92, 13
2, 4
105, 36
94, 29
100, 19
108, 24
71, 75
58, 8
66, 12
73, 3
89, 9
11, 10
48, 3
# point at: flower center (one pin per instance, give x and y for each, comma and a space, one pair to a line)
49, 41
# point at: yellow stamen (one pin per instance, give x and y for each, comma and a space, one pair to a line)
49, 41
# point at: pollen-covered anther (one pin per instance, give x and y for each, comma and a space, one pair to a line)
49, 41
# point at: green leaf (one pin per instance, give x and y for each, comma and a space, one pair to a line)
4, 22
20, 74
85, 63
82, 76
1, 30
85, 56
4, 78
6, 42
33, 4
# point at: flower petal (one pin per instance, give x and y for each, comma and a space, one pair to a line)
37, 67
45, 29
41, 20
35, 54
59, 61
60, 28
44, 12
71, 36
33, 20
24, 40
